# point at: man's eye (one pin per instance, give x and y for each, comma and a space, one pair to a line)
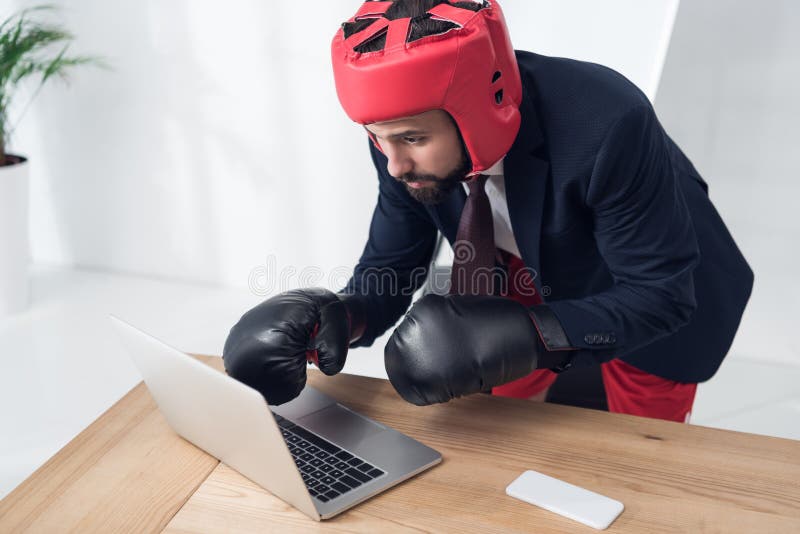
412, 140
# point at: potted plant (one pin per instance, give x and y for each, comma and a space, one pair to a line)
27, 49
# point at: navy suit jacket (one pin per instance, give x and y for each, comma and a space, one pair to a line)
616, 223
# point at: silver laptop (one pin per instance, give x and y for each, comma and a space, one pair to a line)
312, 452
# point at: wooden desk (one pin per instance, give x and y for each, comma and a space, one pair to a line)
128, 472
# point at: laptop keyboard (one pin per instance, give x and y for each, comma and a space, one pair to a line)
328, 471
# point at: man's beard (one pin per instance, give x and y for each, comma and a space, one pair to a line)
441, 188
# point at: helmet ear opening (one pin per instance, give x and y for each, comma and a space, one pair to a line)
498, 95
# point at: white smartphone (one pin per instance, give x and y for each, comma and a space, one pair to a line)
563, 498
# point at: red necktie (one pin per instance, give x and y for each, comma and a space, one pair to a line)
473, 264
474, 250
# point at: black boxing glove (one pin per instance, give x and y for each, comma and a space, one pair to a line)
271, 345
454, 345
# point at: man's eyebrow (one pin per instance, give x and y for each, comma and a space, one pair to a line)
405, 133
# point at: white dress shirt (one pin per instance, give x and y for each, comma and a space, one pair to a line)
496, 191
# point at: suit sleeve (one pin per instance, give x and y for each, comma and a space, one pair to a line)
644, 232
395, 260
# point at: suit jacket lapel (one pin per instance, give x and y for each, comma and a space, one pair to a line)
525, 180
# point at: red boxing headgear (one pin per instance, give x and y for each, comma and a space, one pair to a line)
469, 71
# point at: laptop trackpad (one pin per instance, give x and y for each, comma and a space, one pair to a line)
341, 426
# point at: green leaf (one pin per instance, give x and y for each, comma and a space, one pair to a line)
25, 51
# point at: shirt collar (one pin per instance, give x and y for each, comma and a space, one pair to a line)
496, 169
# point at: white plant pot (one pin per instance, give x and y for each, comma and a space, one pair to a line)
14, 241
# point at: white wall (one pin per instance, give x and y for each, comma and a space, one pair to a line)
218, 139
194, 158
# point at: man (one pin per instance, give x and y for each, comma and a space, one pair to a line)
583, 237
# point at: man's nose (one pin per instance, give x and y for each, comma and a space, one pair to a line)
399, 163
